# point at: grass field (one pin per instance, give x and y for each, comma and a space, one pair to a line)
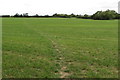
60, 48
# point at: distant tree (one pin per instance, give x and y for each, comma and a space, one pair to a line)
79, 16
25, 15
83, 16
21, 15
61, 15
5, 16
117, 16
16, 15
72, 15
55, 15
46, 15
86, 16
36, 15
104, 15
97, 15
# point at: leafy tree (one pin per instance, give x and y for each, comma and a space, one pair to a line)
72, 15
36, 15
79, 16
25, 15
5, 16
61, 15
55, 15
16, 15
86, 16
104, 15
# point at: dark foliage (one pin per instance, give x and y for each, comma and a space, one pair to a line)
61, 15
5, 16
99, 15
105, 15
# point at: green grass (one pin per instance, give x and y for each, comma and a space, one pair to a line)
59, 48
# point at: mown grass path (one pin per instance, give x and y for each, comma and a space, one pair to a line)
60, 59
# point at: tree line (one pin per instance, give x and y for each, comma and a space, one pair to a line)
99, 15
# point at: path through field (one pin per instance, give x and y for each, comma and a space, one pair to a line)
59, 48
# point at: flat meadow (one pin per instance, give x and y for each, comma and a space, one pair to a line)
59, 48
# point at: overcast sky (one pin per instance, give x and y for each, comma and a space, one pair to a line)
49, 7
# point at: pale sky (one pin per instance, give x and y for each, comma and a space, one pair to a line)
43, 7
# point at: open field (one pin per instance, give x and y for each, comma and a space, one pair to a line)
59, 48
